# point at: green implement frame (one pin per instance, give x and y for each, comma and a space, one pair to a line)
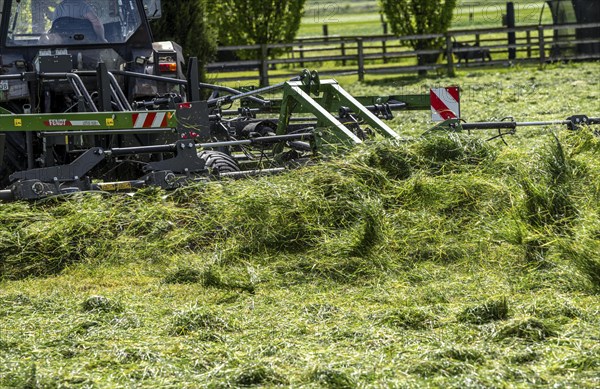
87, 123
297, 98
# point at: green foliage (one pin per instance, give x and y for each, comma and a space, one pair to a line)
255, 22
419, 17
441, 149
187, 23
251, 22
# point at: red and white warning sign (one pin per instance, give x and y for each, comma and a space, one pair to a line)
149, 119
445, 103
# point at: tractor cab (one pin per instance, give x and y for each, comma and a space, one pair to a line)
35, 23
48, 38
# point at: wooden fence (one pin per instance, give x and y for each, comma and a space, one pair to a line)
387, 54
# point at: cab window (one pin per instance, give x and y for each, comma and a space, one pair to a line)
33, 22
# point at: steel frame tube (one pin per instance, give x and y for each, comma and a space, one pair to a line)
264, 139
512, 125
47, 134
173, 147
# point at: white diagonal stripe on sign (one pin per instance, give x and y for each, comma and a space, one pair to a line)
157, 122
139, 122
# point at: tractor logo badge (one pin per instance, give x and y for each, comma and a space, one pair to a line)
56, 122
70, 123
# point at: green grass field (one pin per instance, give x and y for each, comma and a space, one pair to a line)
363, 18
358, 18
442, 261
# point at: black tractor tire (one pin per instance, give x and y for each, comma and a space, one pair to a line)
218, 162
15, 156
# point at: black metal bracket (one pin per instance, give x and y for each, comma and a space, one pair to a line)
64, 173
193, 80
193, 120
36, 189
185, 160
103, 82
2, 145
576, 121
165, 180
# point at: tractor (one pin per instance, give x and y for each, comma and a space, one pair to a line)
61, 66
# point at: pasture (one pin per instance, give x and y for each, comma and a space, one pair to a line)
362, 17
441, 261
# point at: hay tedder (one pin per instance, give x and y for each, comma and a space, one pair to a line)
83, 112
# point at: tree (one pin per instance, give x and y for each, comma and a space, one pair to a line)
250, 22
186, 22
418, 17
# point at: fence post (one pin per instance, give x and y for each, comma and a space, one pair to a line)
510, 24
542, 45
383, 42
361, 59
528, 44
343, 49
449, 56
264, 65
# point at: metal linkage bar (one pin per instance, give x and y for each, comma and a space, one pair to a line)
294, 93
362, 112
572, 123
131, 131
241, 95
173, 147
260, 140
76, 84
257, 100
252, 173
149, 77
119, 96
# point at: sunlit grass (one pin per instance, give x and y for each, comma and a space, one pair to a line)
443, 261
363, 18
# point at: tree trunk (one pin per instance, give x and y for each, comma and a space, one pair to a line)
425, 59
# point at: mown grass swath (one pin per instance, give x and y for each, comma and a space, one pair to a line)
444, 261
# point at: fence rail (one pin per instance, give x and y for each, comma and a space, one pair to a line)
388, 54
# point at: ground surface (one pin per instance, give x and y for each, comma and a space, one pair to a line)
443, 261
